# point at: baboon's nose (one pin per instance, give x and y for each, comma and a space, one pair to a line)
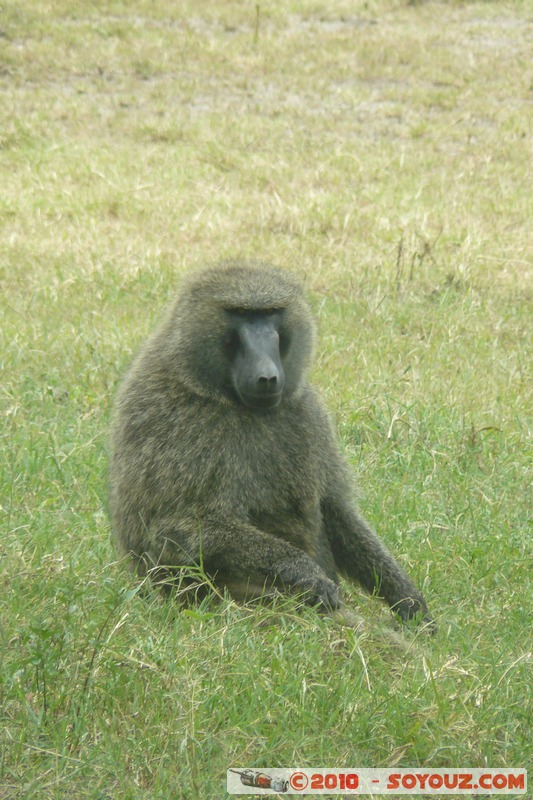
271, 381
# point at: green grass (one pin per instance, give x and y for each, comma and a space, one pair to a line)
380, 148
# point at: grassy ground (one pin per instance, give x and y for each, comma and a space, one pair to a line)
380, 148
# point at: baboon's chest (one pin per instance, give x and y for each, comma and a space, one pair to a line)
278, 477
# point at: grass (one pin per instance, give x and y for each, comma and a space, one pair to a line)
382, 150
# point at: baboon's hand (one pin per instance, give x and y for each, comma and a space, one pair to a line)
320, 592
414, 608
303, 576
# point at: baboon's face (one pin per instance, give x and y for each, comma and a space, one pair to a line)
256, 344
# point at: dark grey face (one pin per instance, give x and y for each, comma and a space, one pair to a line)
256, 344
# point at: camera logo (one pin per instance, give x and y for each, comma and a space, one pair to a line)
260, 780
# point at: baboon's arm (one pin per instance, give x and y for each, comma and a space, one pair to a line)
360, 554
250, 562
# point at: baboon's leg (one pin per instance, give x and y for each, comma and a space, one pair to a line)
241, 557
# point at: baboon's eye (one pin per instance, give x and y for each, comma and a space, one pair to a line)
231, 342
284, 343
242, 311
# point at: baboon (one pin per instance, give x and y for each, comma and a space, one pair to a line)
223, 456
